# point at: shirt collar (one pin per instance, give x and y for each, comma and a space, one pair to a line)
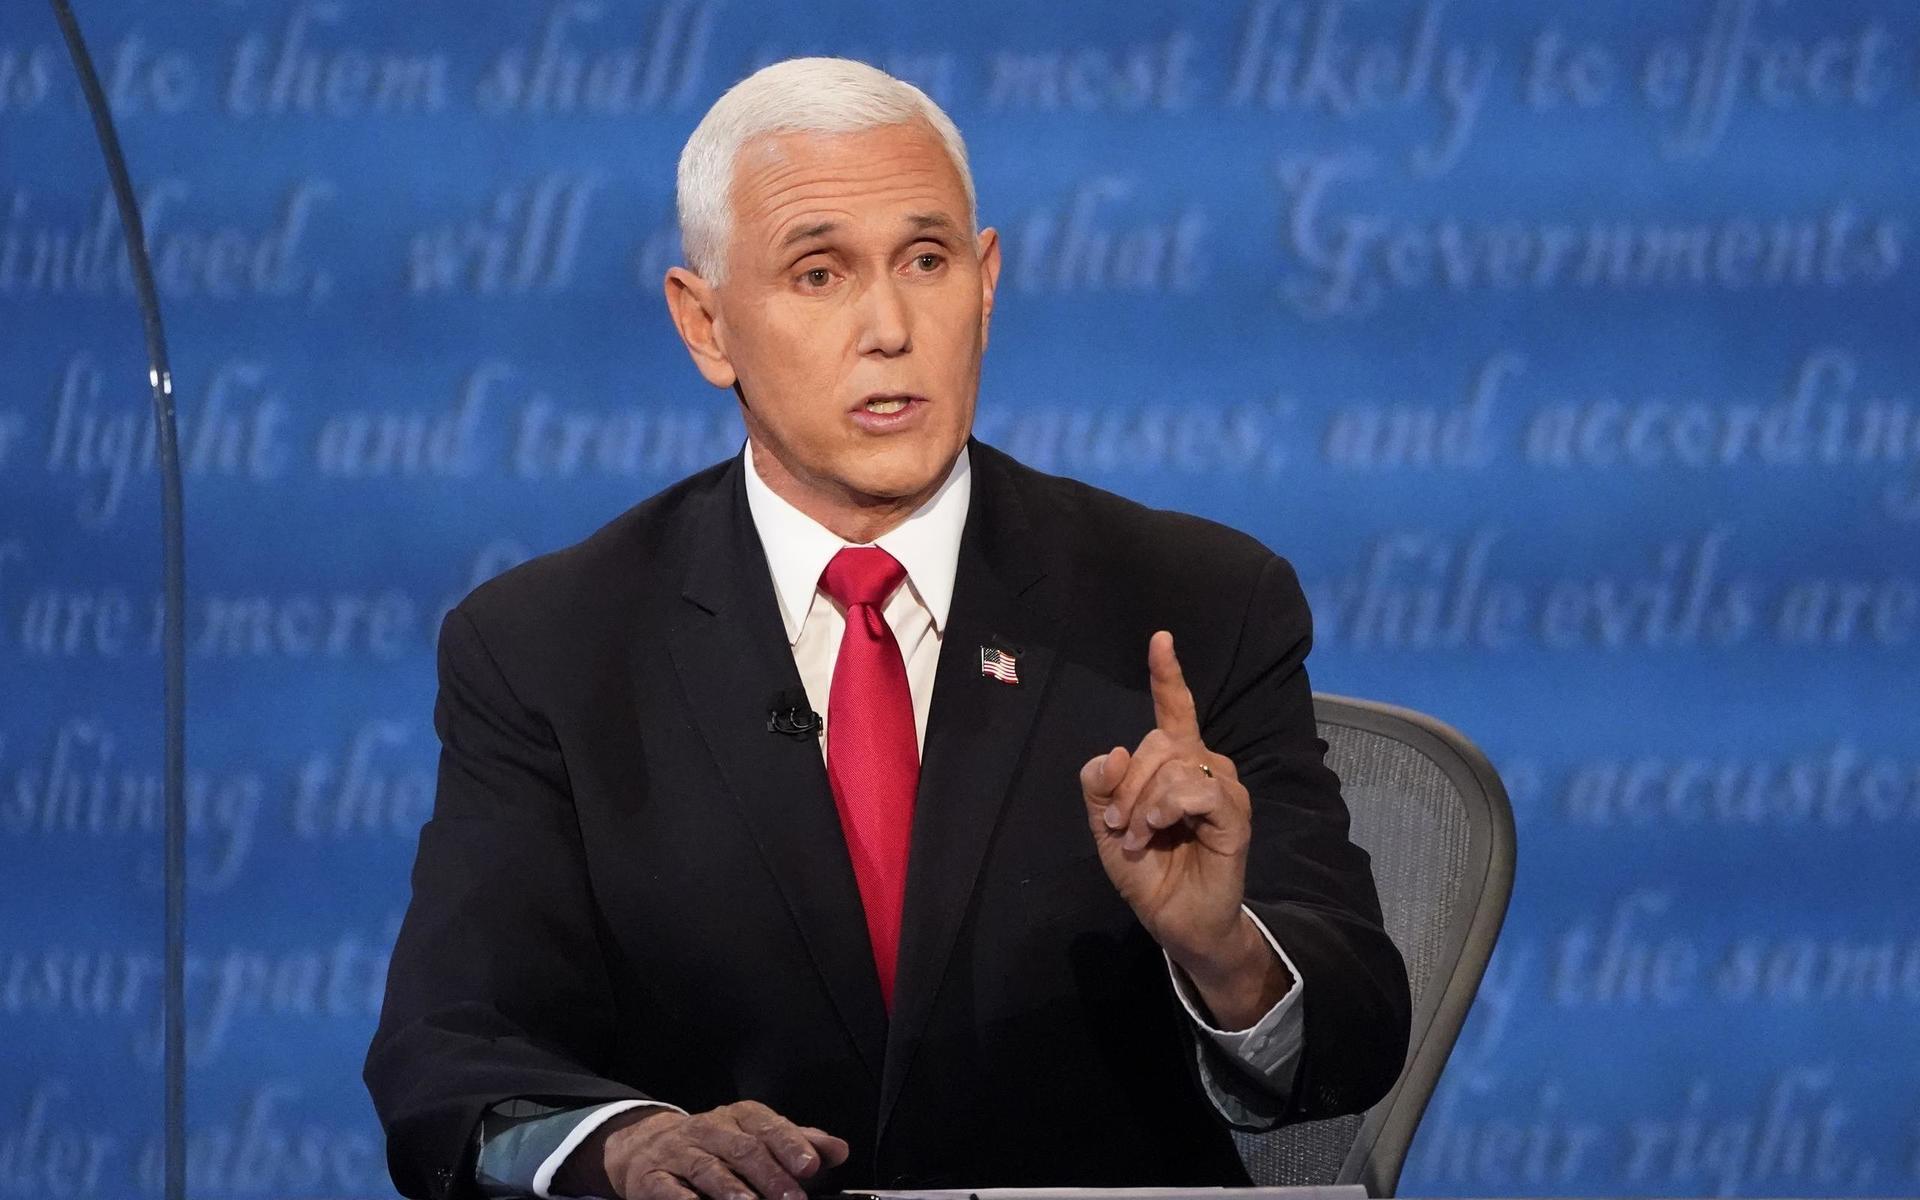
798, 547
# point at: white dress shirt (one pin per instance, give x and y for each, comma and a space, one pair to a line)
927, 544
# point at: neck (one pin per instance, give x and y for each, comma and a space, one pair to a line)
852, 516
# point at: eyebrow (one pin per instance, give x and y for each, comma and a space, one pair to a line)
921, 223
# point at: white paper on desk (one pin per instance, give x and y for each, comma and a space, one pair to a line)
1350, 1191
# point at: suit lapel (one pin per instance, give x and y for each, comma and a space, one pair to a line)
731, 653
977, 731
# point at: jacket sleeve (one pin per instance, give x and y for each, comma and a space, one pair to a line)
522, 1144
1267, 1052
497, 987
1306, 880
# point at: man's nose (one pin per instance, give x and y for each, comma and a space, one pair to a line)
885, 323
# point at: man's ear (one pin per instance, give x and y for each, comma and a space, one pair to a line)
691, 304
989, 277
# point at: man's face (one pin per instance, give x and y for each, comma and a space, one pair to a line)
852, 285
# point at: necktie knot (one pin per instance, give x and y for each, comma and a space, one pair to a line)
862, 575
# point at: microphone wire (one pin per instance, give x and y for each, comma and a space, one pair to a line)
160, 378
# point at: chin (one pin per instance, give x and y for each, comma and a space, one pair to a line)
902, 471
890, 485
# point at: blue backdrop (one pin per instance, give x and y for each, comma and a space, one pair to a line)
1568, 350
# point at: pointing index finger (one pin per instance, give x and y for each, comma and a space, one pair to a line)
1172, 703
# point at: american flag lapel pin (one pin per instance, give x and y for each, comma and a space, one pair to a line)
999, 664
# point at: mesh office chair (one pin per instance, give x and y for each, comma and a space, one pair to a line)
1430, 810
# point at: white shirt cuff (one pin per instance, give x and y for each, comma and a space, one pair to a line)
543, 1178
1269, 1048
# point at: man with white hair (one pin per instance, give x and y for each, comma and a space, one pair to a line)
843, 815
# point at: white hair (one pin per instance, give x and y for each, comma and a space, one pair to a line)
796, 95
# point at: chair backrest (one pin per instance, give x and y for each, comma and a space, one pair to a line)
1432, 813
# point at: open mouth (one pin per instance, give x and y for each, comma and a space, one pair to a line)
890, 412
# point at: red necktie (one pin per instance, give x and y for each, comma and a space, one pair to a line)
873, 759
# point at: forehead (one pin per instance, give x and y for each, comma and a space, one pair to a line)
783, 181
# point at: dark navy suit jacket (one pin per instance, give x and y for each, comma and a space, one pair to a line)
629, 887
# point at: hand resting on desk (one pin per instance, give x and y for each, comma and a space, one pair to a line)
738, 1151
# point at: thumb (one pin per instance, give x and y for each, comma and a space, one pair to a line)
1100, 778
1101, 775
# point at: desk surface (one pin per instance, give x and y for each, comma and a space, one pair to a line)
1346, 1192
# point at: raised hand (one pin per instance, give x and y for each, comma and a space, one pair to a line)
1172, 824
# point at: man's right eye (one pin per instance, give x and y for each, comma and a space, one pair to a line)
816, 277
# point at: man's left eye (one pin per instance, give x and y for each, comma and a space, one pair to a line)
928, 261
